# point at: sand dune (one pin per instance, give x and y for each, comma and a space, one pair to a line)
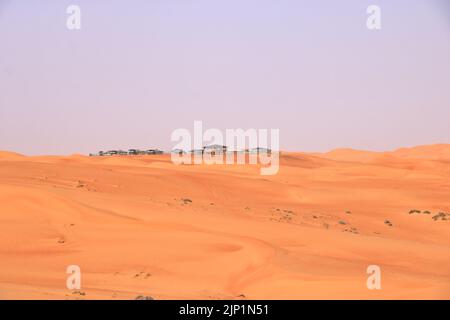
5, 155
430, 152
436, 151
144, 226
348, 154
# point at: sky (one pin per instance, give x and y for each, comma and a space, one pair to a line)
138, 70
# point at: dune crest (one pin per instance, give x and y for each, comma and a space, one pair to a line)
348, 154
6, 155
436, 151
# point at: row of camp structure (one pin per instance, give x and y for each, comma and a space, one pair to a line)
212, 150
217, 149
131, 152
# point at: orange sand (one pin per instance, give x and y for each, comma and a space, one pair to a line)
123, 220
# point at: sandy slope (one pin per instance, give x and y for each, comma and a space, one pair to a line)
308, 232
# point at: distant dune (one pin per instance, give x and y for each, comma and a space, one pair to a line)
140, 225
9, 155
436, 151
347, 154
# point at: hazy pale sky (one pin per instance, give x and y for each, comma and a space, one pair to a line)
137, 70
